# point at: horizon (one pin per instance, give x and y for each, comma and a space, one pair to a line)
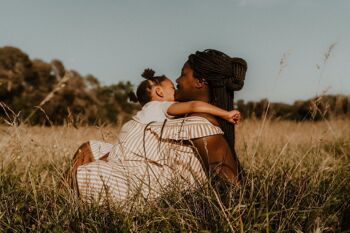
285, 43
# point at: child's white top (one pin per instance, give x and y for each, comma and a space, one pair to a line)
154, 111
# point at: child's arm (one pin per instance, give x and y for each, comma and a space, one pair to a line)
182, 108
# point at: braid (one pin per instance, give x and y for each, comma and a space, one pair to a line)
224, 75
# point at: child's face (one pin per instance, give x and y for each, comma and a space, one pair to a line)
168, 90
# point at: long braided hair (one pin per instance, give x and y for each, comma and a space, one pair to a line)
224, 75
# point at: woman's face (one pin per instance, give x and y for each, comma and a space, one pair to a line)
185, 85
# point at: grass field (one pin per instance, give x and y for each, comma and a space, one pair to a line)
297, 180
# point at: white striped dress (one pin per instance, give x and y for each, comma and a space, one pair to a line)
145, 160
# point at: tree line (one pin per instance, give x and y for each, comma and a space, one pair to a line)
39, 92
316, 109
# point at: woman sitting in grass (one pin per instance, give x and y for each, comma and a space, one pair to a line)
149, 155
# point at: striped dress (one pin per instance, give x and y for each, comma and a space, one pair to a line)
145, 161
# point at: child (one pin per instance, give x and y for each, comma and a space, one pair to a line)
156, 96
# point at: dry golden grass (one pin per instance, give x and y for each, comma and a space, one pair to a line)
297, 177
279, 142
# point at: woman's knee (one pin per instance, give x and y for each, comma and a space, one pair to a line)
83, 155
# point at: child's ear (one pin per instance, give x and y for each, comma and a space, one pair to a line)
159, 91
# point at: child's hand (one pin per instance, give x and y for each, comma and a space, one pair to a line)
233, 116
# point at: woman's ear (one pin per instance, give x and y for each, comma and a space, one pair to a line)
200, 83
159, 91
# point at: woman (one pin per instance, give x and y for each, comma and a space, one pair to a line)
212, 76
149, 158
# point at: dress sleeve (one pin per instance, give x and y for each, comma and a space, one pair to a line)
99, 148
184, 128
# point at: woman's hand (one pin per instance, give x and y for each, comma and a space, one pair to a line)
233, 116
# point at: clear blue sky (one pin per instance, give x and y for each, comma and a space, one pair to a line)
116, 40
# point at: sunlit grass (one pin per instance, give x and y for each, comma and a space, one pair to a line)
297, 180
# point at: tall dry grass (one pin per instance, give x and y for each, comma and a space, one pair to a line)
297, 180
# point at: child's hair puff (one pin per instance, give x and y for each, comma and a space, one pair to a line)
148, 73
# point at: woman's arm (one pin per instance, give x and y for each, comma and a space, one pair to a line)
215, 150
216, 154
182, 108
